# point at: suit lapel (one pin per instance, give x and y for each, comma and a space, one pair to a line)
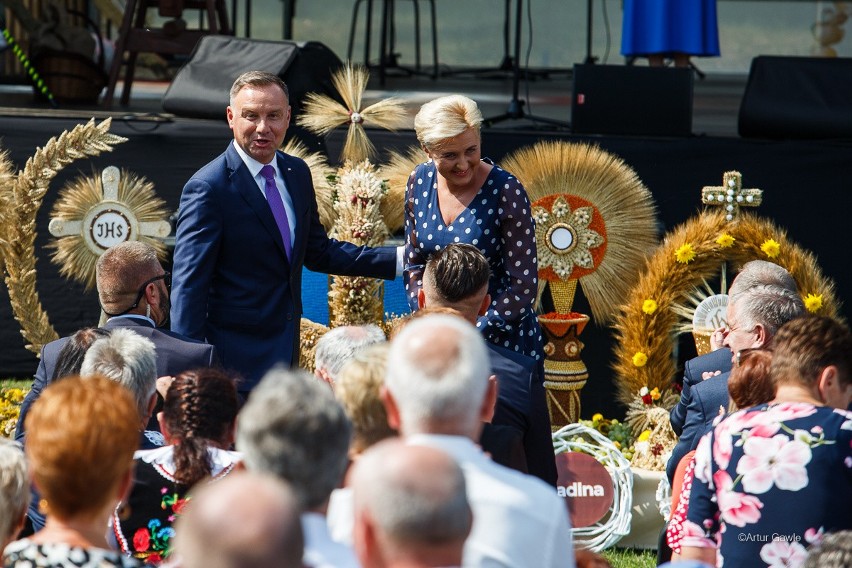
297, 198
245, 184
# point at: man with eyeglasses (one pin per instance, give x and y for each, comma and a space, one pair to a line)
754, 316
753, 273
133, 291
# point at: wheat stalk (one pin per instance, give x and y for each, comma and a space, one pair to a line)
18, 221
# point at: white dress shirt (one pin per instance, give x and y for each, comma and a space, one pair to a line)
320, 550
518, 520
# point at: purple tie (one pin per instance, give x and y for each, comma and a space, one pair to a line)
277, 206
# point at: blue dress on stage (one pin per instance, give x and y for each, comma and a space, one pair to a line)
668, 26
499, 222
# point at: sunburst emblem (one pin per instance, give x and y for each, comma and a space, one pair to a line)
567, 237
95, 213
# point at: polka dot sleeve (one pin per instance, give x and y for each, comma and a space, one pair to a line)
520, 264
415, 260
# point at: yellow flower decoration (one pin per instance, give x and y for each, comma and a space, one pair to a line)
597, 417
639, 359
813, 302
643, 437
725, 240
655, 394
649, 306
685, 253
771, 248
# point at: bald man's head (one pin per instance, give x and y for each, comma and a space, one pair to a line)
246, 520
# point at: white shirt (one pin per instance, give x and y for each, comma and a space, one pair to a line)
320, 550
341, 515
518, 520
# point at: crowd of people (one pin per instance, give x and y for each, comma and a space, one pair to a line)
201, 447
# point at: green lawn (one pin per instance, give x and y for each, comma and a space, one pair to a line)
630, 558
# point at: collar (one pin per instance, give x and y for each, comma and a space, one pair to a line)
458, 447
139, 317
253, 165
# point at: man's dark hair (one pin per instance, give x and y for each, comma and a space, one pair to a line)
457, 272
806, 345
258, 79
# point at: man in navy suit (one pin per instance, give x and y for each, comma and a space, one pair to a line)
457, 278
247, 224
753, 316
133, 290
753, 273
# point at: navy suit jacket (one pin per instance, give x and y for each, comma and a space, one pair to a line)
706, 400
175, 353
718, 360
521, 411
233, 284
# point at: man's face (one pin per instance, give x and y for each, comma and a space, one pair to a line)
738, 338
259, 117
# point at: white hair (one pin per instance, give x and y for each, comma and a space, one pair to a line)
14, 488
762, 273
768, 305
339, 345
128, 359
437, 373
293, 428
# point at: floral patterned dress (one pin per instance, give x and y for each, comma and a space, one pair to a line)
25, 553
499, 222
769, 481
143, 525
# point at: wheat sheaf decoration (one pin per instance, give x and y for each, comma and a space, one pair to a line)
690, 254
17, 221
595, 221
396, 172
75, 258
322, 176
321, 114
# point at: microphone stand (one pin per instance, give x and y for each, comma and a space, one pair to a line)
515, 111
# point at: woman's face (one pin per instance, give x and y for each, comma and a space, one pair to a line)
457, 158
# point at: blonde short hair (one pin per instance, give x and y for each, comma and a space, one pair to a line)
444, 118
358, 389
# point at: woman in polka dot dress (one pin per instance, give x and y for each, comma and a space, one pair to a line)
458, 197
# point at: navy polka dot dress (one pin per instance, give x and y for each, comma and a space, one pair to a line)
499, 223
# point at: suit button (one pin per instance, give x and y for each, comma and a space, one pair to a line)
289, 317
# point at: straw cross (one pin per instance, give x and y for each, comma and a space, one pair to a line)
731, 195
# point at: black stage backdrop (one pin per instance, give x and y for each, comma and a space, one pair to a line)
807, 185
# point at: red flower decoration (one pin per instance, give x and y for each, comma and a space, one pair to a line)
141, 540
154, 558
177, 508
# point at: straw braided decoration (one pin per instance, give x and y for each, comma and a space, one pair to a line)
601, 535
17, 221
357, 300
70, 253
623, 210
322, 114
688, 255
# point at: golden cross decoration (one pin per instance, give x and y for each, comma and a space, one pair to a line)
731, 195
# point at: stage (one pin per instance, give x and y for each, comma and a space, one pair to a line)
806, 183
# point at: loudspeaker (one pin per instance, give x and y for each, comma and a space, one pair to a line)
617, 99
200, 88
797, 97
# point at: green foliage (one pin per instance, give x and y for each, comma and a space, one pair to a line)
630, 558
